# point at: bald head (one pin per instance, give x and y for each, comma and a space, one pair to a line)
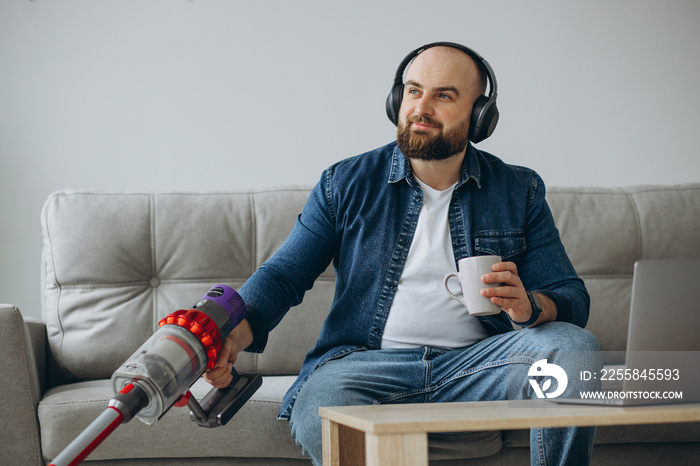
448, 63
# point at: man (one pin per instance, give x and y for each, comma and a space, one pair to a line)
395, 221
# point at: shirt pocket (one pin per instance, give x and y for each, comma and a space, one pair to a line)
500, 243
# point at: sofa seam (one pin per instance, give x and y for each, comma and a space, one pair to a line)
154, 271
146, 283
607, 276
56, 281
97, 192
254, 255
66, 403
638, 222
630, 190
253, 233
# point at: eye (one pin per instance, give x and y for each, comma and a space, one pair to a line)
443, 96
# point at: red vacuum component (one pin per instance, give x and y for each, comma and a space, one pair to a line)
155, 377
203, 327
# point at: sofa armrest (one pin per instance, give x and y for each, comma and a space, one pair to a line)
20, 390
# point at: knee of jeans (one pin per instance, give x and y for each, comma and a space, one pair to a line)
580, 350
570, 337
584, 340
306, 429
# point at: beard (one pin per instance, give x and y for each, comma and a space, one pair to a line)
420, 145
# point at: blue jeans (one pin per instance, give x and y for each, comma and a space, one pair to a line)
493, 369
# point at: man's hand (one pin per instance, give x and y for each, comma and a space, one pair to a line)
512, 296
239, 339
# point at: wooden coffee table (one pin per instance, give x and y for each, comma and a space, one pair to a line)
388, 435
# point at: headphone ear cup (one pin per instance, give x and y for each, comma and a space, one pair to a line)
483, 119
393, 103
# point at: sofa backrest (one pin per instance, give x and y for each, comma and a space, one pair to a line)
116, 263
605, 231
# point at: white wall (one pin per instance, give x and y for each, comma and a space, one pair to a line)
218, 94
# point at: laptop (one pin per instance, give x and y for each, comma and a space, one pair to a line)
662, 363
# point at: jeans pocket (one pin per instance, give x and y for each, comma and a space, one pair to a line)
338, 354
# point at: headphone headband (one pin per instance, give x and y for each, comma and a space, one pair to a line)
484, 115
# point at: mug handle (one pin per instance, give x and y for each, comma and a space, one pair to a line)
459, 297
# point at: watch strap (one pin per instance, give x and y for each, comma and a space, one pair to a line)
536, 310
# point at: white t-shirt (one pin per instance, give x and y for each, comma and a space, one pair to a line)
423, 314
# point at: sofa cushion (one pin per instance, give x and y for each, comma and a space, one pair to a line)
65, 411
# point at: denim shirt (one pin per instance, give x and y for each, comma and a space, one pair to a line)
362, 216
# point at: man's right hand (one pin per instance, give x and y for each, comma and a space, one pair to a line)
239, 339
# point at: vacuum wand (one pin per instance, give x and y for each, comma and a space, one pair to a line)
159, 374
121, 409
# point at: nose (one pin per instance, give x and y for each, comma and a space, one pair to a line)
423, 106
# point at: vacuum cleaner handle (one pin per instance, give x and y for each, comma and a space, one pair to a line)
221, 404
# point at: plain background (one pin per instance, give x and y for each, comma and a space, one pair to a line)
177, 95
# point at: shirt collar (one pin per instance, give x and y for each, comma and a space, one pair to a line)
400, 168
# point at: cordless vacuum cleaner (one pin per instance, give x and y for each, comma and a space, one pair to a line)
160, 373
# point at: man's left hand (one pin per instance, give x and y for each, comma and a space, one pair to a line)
512, 296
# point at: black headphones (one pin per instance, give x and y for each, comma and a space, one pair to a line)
484, 113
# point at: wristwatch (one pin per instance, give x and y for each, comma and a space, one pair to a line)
536, 310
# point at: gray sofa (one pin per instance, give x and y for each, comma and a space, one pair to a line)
113, 264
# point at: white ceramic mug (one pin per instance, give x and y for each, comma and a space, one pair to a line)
469, 275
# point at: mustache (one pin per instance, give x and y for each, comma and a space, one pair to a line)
423, 120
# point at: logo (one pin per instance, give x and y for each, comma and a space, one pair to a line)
215, 292
549, 371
